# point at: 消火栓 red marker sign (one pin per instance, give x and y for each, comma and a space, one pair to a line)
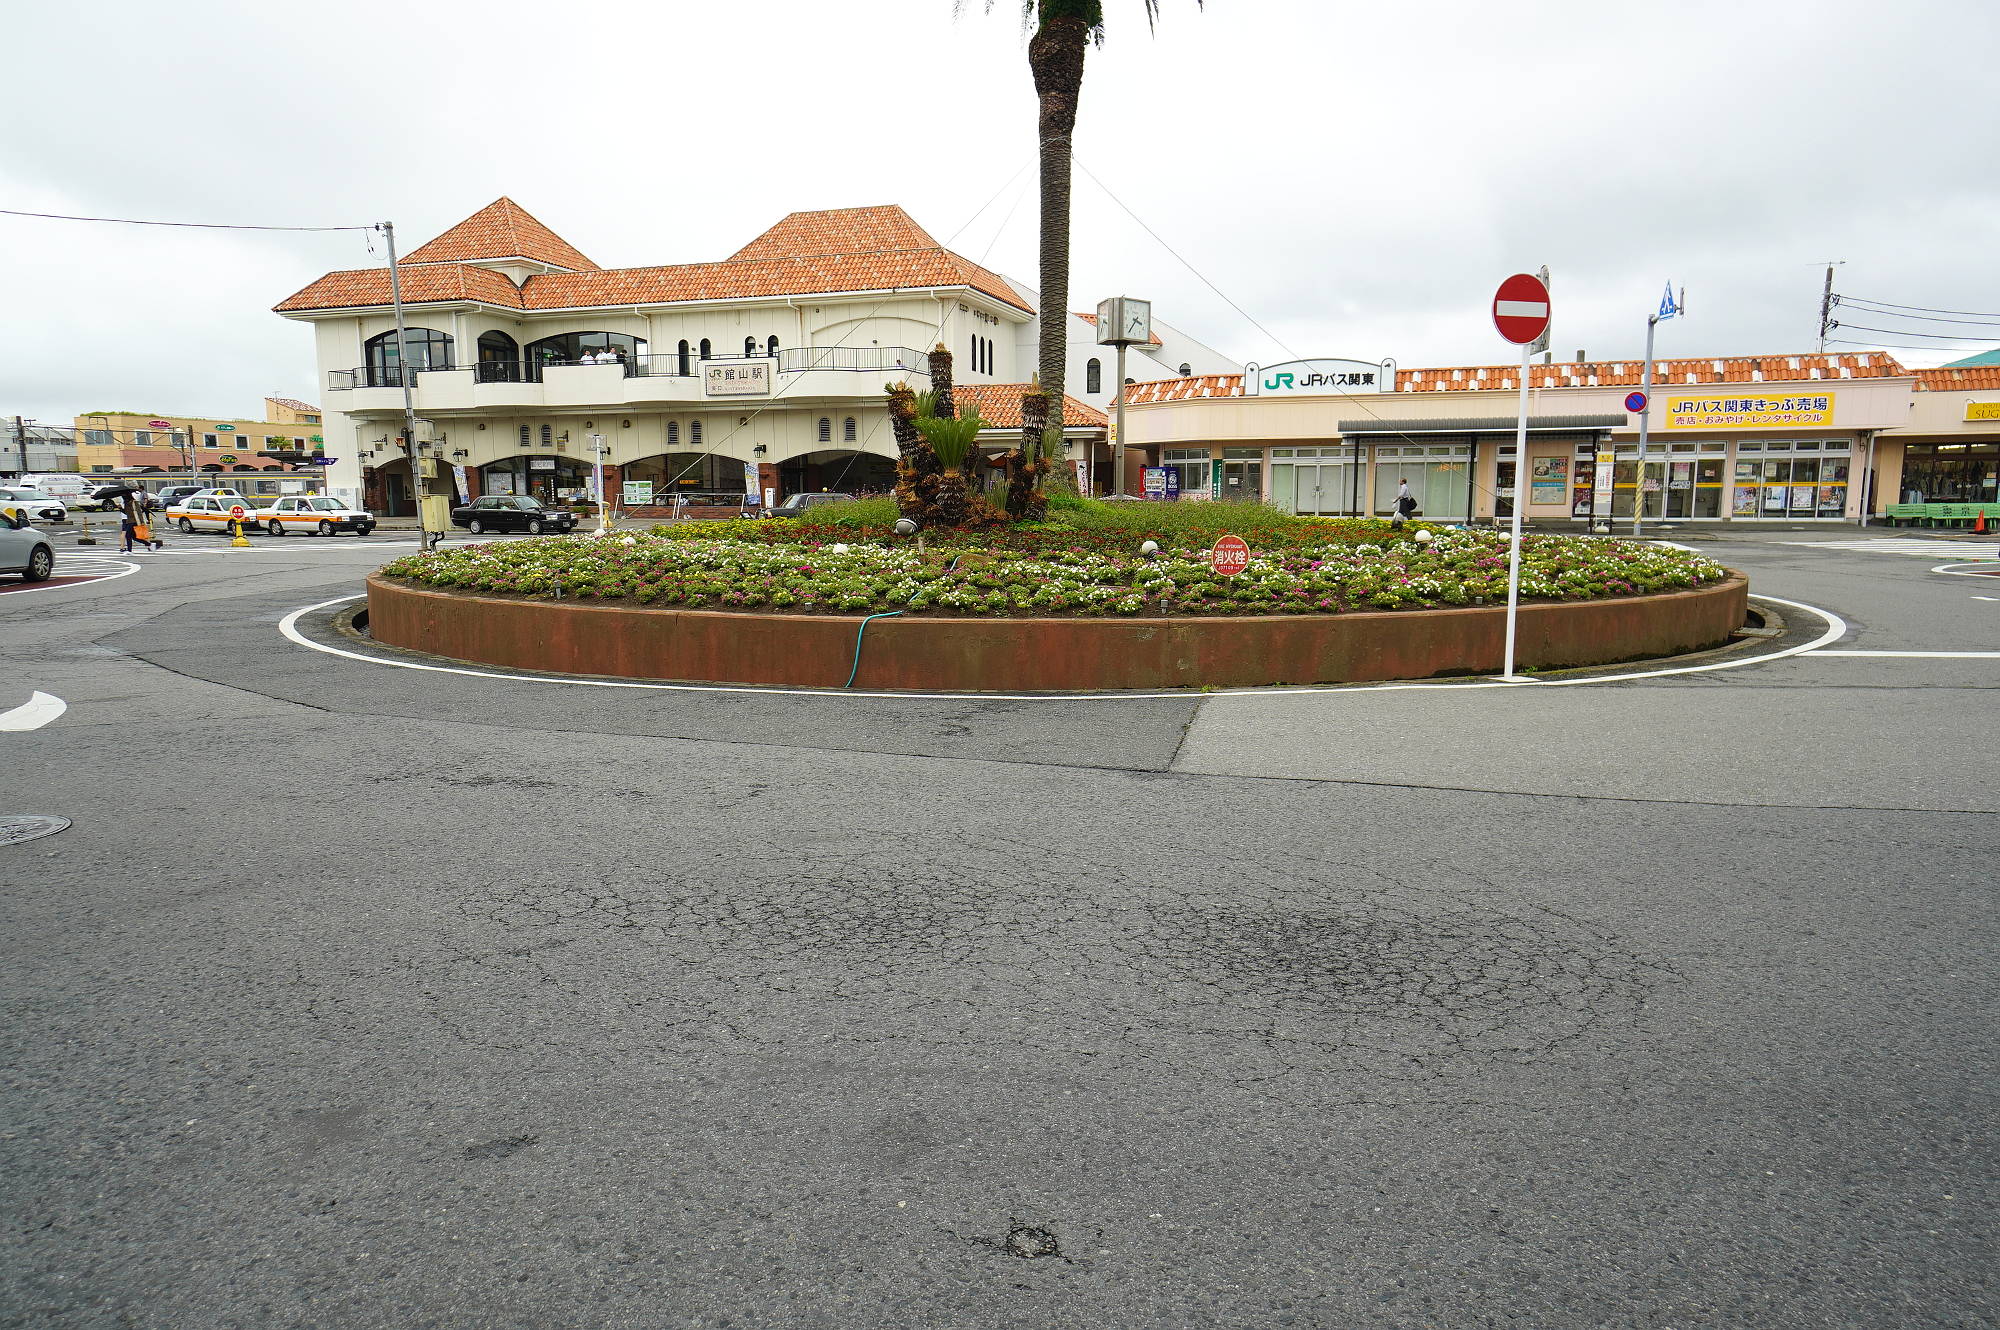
1230, 556
1521, 308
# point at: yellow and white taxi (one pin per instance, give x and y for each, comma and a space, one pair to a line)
314, 513
211, 512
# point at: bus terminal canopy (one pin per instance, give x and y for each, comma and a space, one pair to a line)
1484, 425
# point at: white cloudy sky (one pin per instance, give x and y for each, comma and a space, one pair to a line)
1355, 176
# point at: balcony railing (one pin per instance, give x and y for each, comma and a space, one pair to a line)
665, 365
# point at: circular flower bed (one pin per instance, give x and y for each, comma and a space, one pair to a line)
1345, 571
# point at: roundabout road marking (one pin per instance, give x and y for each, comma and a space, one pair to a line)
90, 576
1923, 655
1836, 628
1976, 570
37, 711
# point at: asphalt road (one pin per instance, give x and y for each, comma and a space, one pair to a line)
363, 996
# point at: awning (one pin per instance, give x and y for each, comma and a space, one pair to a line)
1486, 425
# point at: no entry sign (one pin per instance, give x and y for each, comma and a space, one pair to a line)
1230, 556
1521, 308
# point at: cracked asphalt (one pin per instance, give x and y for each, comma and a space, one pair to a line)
359, 996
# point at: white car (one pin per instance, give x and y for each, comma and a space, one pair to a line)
35, 505
314, 512
25, 550
206, 512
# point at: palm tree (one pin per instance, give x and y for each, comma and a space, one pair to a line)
1064, 31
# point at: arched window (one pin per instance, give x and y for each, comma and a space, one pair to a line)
1186, 369
825, 430
694, 429
749, 346
674, 429
687, 360
771, 345
706, 353
586, 348
499, 358
429, 349
847, 430
524, 436
1093, 377
548, 435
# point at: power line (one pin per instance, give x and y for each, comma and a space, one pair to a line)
1925, 308
1275, 339
1905, 332
205, 226
1867, 308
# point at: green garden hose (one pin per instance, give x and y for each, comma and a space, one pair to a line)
857, 643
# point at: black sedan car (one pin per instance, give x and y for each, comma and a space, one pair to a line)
512, 512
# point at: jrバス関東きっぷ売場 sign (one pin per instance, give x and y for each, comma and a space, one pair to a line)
1763, 411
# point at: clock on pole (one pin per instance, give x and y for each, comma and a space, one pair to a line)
1121, 321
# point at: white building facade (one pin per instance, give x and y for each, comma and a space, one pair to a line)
762, 373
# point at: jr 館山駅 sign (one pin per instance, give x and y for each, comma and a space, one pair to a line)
1754, 411
1319, 377
737, 378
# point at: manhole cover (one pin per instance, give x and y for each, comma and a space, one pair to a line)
27, 826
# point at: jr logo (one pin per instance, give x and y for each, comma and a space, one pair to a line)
1278, 381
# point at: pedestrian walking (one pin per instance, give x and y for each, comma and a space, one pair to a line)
1406, 505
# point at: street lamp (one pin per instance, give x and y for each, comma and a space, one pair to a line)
603, 508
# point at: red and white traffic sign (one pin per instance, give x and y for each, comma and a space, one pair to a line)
238, 511
1521, 308
1230, 556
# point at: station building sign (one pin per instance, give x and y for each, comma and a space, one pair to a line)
737, 378
1319, 378
1767, 411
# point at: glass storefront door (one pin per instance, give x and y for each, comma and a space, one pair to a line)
1624, 481
1324, 489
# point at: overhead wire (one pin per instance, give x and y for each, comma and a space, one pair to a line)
205, 226
1921, 318
1905, 332
1924, 308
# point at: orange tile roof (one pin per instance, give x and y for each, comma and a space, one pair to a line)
1000, 405
744, 277
1152, 338
294, 404
503, 229
1590, 374
838, 231
1977, 378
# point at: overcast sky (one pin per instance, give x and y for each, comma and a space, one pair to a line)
1356, 177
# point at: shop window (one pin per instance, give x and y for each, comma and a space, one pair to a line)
847, 430
1093, 376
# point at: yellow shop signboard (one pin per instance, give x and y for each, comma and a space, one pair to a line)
1759, 411
1982, 410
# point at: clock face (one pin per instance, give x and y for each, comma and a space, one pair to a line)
1138, 319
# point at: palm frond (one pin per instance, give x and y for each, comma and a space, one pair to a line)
952, 439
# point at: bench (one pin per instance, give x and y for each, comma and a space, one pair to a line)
1940, 514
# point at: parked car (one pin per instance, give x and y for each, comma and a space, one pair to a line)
170, 495
798, 503
511, 512
315, 512
25, 550
105, 498
207, 512
36, 505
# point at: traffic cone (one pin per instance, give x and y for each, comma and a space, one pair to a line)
1979, 523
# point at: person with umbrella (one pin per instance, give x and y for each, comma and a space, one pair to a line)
132, 525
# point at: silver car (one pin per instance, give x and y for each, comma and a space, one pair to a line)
25, 550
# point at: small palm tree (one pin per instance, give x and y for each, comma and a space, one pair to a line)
1064, 30
954, 439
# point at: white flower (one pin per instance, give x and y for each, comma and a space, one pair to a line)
836, 549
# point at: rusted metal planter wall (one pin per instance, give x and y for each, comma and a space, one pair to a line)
1030, 654
1017, 655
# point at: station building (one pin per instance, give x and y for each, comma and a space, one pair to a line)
761, 372
1792, 438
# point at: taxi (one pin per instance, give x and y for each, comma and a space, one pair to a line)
209, 512
314, 513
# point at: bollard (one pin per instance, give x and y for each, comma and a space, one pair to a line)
83, 536
242, 541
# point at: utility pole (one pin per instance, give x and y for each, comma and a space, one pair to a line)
1826, 304
406, 373
21, 440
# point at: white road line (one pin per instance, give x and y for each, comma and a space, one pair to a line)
1968, 569
126, 570
1919, 655
1878, 545
1836, 628
1986, 597
37, 711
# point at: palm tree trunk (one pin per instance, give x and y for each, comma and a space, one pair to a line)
940, 367
1055, 57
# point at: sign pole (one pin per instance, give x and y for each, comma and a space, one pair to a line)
1520, 495
1645, 416
1119, 468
